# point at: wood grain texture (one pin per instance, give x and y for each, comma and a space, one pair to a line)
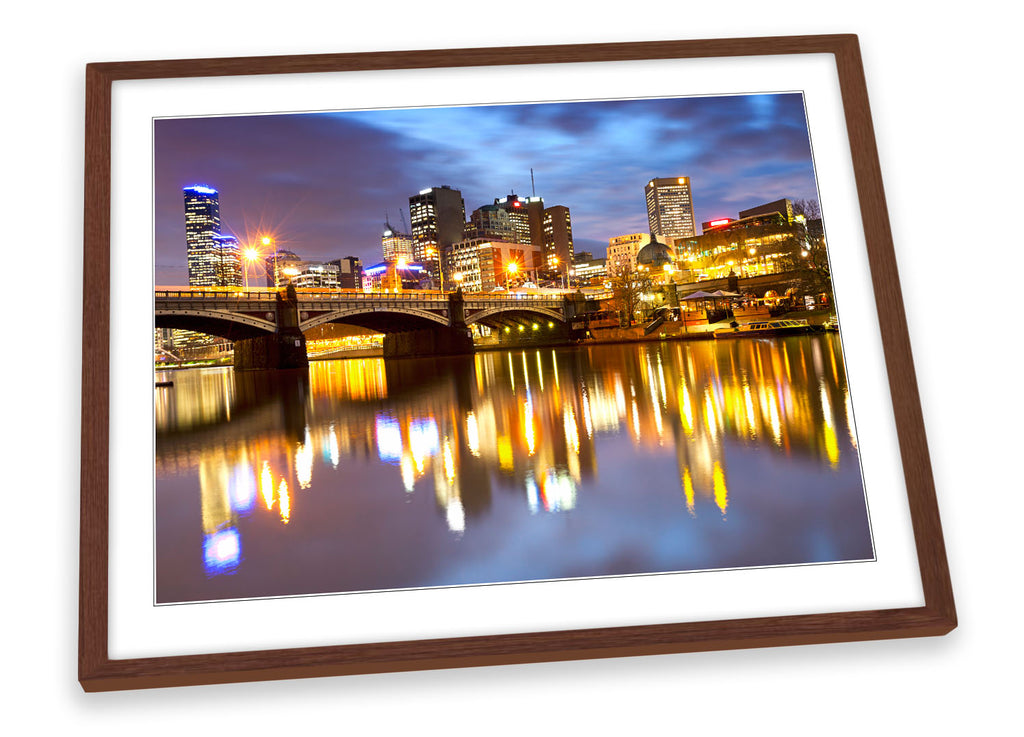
97, 672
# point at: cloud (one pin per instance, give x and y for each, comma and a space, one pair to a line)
322, 182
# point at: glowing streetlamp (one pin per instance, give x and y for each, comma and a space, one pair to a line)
249, 256
554, 263
512, 268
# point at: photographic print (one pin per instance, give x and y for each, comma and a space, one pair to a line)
455, 346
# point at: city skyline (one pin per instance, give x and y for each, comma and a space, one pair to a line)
321, 183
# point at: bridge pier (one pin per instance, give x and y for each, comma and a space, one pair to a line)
278, 351
285, 349
438, 341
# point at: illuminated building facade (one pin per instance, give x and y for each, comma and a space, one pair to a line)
622, 251
525, 217
280, 266
385, 277
750, 246
315, 275
670, 207
227, 261
481, 265
558, 248
491, 222
213, 260
437, 217
396, 246
589, 271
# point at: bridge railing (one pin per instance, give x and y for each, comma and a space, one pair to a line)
215, 293
239, 294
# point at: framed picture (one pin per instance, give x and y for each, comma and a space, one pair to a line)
448, 358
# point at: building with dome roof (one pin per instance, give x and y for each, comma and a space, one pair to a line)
654, 256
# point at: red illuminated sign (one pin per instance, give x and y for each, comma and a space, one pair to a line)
517, 204
716, 223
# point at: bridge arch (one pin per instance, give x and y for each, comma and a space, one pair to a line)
340, 315
214, 322
511, 311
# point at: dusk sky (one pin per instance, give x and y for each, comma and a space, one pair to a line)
320, 183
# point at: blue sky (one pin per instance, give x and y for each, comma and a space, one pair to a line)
321, 182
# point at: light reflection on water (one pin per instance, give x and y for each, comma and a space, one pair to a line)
506, 466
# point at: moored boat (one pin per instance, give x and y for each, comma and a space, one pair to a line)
764, 329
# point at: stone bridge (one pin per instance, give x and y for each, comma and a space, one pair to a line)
267, 325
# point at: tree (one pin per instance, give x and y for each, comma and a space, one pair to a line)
816, 272
810, 209
627, 287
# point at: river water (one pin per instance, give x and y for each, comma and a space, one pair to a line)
361, 475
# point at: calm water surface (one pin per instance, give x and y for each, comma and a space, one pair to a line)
508, 466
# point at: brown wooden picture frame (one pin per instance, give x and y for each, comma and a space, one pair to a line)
98, 672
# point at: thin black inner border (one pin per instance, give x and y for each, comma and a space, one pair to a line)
860, 462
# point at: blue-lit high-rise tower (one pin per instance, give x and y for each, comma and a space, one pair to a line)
213, 260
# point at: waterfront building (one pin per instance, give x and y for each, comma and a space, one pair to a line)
350, 272
206, 256
396, 246
716, 223
783, 207
558, 247
670, 207
481, 265
437, 216
759, 244
622, 251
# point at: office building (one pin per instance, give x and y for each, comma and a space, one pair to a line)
227, 261
481, 265
670, 207
437, 217
350, 272
206, 255
558, 247
315, 275
490, 222
525, 216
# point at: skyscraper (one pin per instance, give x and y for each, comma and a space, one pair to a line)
438, 217
670, 207
214, 259
227, 261
558, 248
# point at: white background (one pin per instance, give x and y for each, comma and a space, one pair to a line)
943, 88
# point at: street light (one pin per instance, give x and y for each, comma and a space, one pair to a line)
249, 256
512, 268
